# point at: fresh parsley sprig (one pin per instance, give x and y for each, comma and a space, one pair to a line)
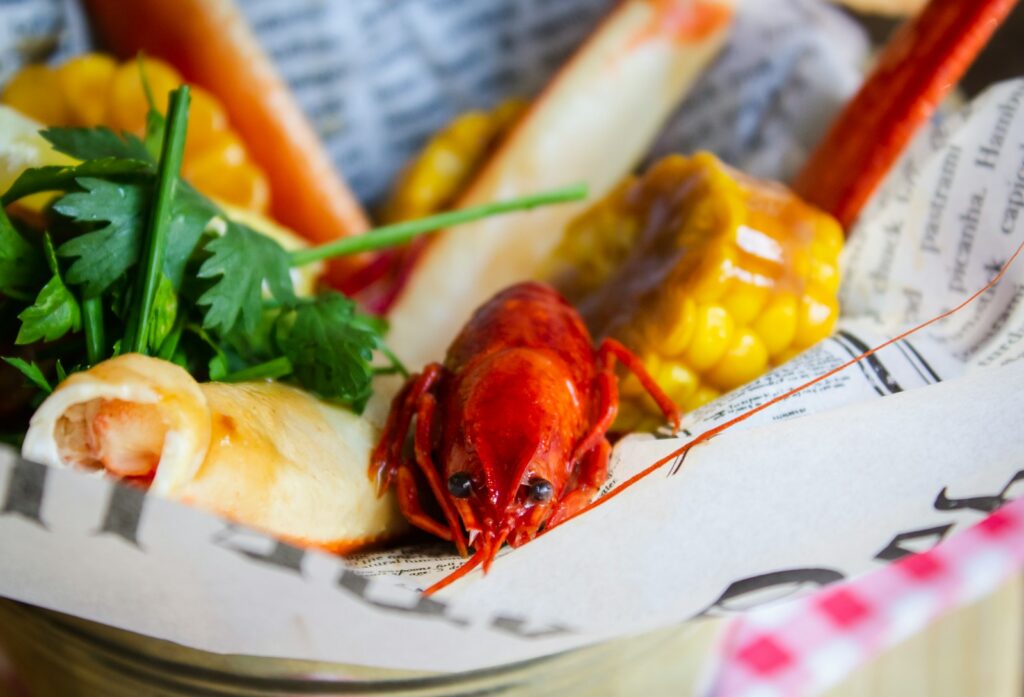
144, 263
55, 311
21, 262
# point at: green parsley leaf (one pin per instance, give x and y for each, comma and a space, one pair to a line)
55, 311
273, 369
30, 371
95, 143
330, 347
257, 345
65, 178
190, 216
21, 264
217, 366
54, 314
243, 260
104, 254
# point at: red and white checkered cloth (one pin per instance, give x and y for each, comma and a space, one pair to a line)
804, 646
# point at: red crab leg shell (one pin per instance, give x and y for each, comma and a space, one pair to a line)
915, 71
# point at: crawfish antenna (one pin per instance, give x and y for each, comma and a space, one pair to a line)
474, 561
484, 554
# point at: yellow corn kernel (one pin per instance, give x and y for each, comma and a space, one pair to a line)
35, 92
594, 244
703, 395
85, 82
636, 418
436, 177
745, 359
824, 276
716, 274
799, 263
712, 337
815, 319
776, 325
732, 275
746, 300
128, 104
629, 383
678, 381
673, 334
828, 240
629, 416
652, 363
441, 171
629, 386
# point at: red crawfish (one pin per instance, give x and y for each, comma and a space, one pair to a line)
510, 432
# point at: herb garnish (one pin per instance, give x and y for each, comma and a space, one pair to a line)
144, 263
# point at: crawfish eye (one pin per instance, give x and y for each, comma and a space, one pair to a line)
540, 490
459, 485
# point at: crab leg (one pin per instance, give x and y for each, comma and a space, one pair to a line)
917, 68
587, 126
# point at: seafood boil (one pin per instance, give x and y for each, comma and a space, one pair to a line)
182, 340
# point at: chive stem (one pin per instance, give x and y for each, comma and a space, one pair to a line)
391, 235
395, 364
95, 334
272, 369
160, 216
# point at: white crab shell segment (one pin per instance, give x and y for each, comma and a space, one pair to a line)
261, 453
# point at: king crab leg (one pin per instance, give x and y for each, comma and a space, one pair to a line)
915, 71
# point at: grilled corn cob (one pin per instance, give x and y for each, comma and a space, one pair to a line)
437, 176
710, 276
93, 90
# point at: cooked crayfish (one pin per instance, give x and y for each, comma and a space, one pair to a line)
510, 432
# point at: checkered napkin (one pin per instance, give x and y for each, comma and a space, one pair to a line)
802, 647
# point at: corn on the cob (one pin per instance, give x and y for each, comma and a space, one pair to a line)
437, 176
710, 276
93, 90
